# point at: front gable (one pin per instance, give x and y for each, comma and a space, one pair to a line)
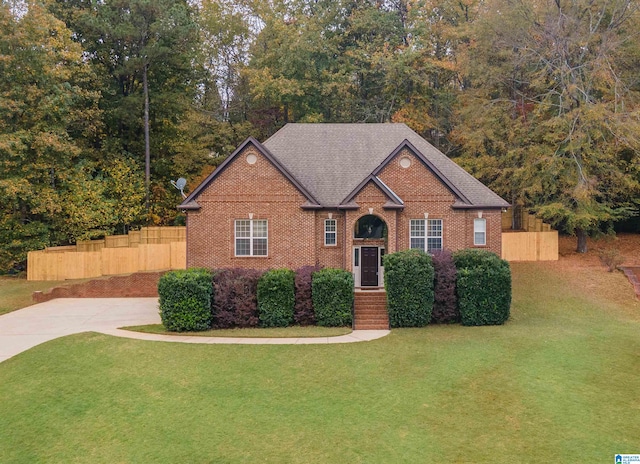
249, 174
389, 197
406, 176
414, 178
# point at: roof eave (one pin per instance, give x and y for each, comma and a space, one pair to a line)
309, 205
391, 205
190, 206
468, 206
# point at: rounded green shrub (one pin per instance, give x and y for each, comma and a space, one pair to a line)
276, 298
332, 294
185, 300
483, 287
408, 280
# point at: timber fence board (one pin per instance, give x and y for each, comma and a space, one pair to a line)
116, 241
111, 256
90, 245
178, 255
65, 265
119, 261
530, 246
153, 257
157, 235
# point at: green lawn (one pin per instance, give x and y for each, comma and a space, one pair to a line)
258, 332
560, 382
15, 292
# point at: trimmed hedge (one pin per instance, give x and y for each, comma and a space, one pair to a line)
445, 302
408, 280
235, 304
303, 311
276, 298
483, 287
332, 294
185, 300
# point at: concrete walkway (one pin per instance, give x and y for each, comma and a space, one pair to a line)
31, 326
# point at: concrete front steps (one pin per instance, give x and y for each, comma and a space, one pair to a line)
370, 310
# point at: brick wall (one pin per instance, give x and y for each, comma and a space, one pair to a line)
296, 236
422, 192
138, 285
330, 256
239, 191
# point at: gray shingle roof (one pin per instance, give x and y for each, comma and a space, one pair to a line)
331, 160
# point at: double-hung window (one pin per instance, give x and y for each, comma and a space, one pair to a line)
479, 232
251, 237
330, 232
426, 234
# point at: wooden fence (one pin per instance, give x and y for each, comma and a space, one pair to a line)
529, 222
530, 246
144, 236
61, 265
149, 249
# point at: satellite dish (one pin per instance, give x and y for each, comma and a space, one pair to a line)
180, 184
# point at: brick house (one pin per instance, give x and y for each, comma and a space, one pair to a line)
338, 195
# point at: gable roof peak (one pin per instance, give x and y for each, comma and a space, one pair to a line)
190, 201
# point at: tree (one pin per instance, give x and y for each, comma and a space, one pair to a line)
145, 51
48, 114
551, 118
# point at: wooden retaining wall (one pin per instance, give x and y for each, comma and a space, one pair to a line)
530, 246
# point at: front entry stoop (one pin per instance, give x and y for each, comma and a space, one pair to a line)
370, 311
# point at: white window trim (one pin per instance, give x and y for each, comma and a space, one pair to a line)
334, 232
251, 238
426, 235
477, 231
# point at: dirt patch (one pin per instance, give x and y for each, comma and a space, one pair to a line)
627, 245
590, 272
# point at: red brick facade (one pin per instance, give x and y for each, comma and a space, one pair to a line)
259, 190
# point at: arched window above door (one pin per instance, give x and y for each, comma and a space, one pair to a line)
370, 226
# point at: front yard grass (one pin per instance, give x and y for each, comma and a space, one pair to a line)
560, 382
15, 292
271, 332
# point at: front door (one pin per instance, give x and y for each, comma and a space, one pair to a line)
369, 267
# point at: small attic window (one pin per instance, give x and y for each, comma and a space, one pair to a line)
251, 158
405, 162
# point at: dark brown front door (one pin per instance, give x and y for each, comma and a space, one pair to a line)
369, 267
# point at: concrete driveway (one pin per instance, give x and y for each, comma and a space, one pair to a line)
31, 326
28, 327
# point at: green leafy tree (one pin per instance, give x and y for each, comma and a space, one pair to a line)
550, 118
48, 114
146, 53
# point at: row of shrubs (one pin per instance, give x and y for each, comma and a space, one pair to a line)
469, 286
197, 299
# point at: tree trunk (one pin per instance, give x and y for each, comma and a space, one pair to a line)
582, 241
147, 152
